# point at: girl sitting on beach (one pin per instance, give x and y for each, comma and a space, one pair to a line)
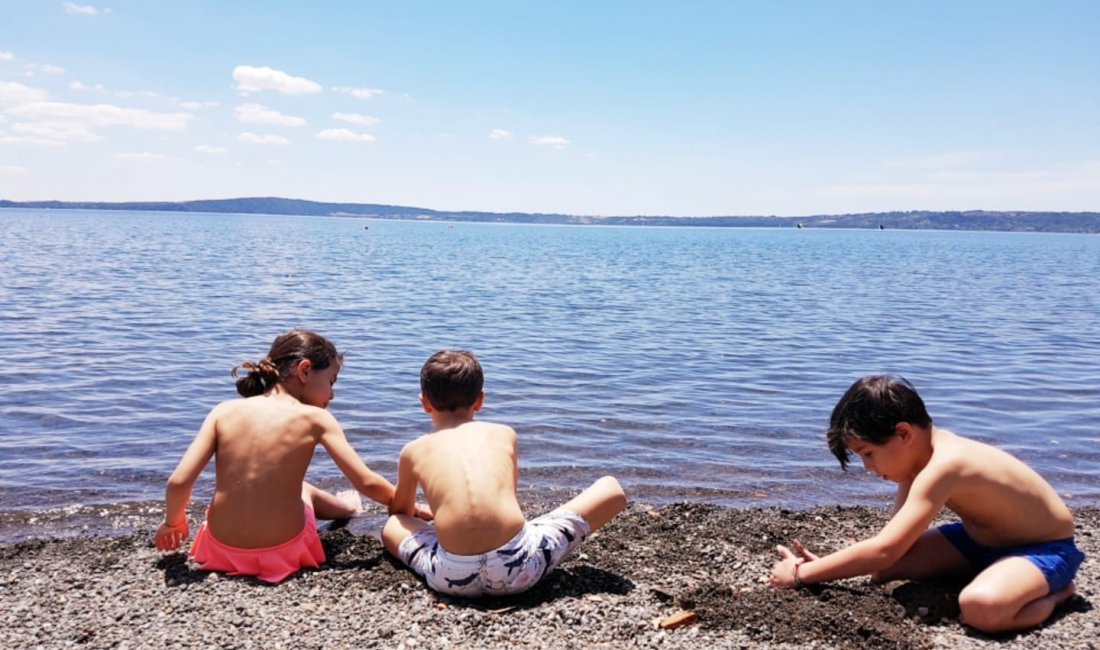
262, 518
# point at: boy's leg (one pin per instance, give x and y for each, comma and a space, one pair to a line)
933, 556
599, 503
1012, 594
325, 504
398, 528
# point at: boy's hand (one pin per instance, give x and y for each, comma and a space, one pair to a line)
170, 537
803, 552
423, 512
784, 571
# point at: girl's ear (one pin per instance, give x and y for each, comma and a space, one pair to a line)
305, 366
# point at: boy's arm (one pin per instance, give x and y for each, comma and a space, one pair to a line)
362, 478
404, 498
174, 530
926, 497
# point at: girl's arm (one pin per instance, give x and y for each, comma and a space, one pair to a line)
374, 486
171, 534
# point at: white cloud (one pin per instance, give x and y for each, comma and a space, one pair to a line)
83, 87
16, 93
144, 157
81, 10
361, 93
344, 135
255, 138
7, 56
211, 151
356, 118
54, 132
46, 68
937, 161
254, 80
198, 106
500, 134
12, 169
555, 141
257, 114
102, 115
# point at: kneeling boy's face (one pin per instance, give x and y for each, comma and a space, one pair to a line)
887, 460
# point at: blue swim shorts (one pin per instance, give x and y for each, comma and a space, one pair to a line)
1058, 560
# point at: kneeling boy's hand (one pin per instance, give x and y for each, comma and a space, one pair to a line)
785, 571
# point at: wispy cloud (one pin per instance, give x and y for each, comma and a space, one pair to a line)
356, 118
80, 10
555, 141
12, 169
101, 115
344, 135
7, 56
937, 161
361, 93
142, 158
500, 134
53, 132
211, 151
198, 106
254, 80
255, 138
258, 114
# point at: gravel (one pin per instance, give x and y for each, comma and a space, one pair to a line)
647, 565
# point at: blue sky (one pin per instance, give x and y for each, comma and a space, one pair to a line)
598, 108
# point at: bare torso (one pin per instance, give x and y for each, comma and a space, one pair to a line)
264, 446
1000, 500
469, 478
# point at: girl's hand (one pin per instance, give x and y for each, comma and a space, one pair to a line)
170, 537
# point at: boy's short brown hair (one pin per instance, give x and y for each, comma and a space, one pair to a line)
871, 410
451, 379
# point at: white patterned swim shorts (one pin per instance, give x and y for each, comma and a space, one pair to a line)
515, 567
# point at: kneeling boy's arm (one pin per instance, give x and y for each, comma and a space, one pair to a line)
923, 502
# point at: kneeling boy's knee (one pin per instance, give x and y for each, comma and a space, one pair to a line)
982, 610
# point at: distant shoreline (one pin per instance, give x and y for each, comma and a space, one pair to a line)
971, 220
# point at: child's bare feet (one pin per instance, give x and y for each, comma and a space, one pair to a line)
352, 499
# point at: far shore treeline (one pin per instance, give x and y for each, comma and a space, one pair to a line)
1071, 222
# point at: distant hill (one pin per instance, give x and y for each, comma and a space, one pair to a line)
1077, 222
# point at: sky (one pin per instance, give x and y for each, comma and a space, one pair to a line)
682, 108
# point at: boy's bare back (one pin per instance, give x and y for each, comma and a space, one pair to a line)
469, 476
1001, 501
264, 446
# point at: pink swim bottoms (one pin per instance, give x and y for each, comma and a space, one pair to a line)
271, 564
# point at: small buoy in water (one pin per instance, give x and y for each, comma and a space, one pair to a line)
366, 227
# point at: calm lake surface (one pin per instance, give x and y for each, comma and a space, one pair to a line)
692, 363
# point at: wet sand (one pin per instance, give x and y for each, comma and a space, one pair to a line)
647, 565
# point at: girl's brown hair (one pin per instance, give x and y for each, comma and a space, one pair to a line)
282, 360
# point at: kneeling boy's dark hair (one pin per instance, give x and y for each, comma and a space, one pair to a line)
451, 379
871, 409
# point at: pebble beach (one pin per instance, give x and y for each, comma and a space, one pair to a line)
676, 576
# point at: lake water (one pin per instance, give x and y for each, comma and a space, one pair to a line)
692, 363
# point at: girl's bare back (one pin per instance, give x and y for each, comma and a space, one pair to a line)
264, 446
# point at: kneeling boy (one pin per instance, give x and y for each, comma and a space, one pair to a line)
481, 544
1015, 538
